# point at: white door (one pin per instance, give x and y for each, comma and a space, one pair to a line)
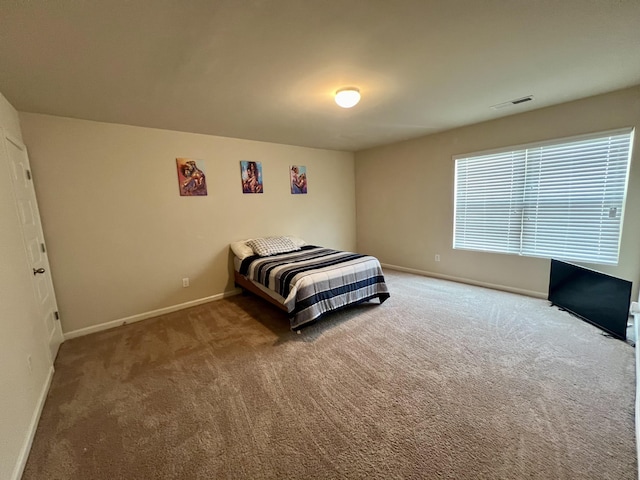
34, 241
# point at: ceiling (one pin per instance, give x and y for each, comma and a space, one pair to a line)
267, 69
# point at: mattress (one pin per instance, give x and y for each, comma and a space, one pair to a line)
315, 280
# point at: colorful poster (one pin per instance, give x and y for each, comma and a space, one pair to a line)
251, 173
298, 175
191, 178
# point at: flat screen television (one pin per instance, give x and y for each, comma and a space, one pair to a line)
596, 297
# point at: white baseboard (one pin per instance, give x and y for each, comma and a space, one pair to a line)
33, 425
143, 316
521, 291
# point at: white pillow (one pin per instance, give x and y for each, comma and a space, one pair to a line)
241, 250
272, 245
297, 241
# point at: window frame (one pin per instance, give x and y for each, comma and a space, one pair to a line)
514, 150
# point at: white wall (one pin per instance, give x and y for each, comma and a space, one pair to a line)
21, 334
9, 119
405, 193
121, 238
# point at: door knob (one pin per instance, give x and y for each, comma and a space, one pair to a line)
39, 270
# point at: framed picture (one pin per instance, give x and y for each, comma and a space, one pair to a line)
251, 173
191, 178
298, 177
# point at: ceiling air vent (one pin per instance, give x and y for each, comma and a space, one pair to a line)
511, 103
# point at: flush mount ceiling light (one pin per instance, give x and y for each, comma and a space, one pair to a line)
348, 97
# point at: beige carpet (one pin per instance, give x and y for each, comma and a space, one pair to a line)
442, 381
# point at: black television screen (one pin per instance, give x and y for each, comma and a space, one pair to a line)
593, 296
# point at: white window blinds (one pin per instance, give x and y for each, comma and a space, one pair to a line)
561, 199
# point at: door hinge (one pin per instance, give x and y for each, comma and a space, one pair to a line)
57, 315
28, 172
44, 250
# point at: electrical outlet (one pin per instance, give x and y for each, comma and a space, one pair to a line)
185, 282
30, 363
437, 257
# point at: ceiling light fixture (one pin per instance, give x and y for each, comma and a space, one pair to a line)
348, 97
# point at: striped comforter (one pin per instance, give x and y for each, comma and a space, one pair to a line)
317, 280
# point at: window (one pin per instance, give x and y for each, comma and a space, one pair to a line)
560, 199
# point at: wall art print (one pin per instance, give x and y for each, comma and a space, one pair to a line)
191, 178
298, 175
251, 176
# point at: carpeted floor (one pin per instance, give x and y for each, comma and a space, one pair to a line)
442, 381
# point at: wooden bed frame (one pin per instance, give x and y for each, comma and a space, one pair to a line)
244, 283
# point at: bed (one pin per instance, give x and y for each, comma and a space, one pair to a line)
306, 281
